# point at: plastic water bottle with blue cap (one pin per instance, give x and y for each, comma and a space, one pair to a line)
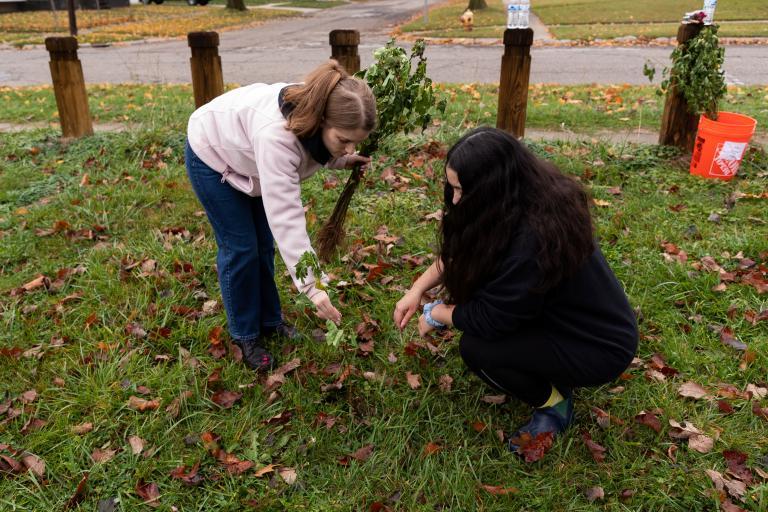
524, 14
513, 14
709, 10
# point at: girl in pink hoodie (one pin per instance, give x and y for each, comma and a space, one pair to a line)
247, 152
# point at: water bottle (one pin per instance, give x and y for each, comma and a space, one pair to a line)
513, 14
709, 10
523, 15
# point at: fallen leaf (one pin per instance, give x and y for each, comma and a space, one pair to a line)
28, 397
225, 399
100, 456
727, 338
414, 380
362, 454
533, 448
34, 464
79, 494
494, 399
594, 494
649, 420
288, 475
701, 443
149, 493
140, 404
190, 477
757, 392
692, 390
137, 444
445, 383
497, 490
265, 470
597, 451
760, 412
83, 428
736, 462
431, 448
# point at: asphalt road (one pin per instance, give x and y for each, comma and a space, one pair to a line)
285, 50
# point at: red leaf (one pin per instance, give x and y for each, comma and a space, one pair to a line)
725, 407
727, 338
148, 492
431, 448
760, 412
76, 498
226, 399
649, 420
533, 448
190, 477
598, 452
362, 454
736, 462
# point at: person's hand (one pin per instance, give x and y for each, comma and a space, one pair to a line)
325, 308
355, 159
405, 308
424, 327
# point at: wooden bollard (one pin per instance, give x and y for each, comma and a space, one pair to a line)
69, 87
344, 49
678, 126
513, 82
207, 78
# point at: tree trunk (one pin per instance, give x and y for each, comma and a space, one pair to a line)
476, 4
236, 4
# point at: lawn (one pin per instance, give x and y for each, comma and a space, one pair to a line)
118, 378
591, 19
582, 109
128, 23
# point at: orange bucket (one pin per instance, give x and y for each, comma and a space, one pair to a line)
720, 145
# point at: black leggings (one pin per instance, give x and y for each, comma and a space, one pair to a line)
527, 365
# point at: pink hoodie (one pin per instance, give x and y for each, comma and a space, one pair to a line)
242, 135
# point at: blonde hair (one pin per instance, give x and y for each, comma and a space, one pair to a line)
330, 94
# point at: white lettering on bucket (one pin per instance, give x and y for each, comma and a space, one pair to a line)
728, 156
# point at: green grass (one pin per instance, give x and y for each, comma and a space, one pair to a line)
135, 197
583, 109
591, 19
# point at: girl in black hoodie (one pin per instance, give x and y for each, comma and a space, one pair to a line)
540, 310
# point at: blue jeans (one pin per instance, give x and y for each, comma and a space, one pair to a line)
246, 255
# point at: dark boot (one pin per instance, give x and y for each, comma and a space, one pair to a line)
545, 419
255, 356
284, 330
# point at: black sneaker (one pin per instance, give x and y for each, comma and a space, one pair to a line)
255, 356
283, 330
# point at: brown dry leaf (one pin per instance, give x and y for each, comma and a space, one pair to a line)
149, 492
597, 451
737, 465
82, 428
288, 475
757, 392
414, 380
760, 412
31, 425
28, 397
533, 448
190, 477
691, 389
494, 399
79, 494
497, 490
649, 419
727, 338
226, 399
100, 456
445, 383
594, 494
34, 464
137, 444
431, 448
701, 443
362, 454
140, 404
265, 470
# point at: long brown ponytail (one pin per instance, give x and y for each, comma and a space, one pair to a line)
329, 93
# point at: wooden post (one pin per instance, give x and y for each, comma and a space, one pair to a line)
207, 78
69, 87
513, 82
344, 49
72, 17
678, 126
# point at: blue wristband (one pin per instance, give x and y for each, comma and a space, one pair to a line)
428, 315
